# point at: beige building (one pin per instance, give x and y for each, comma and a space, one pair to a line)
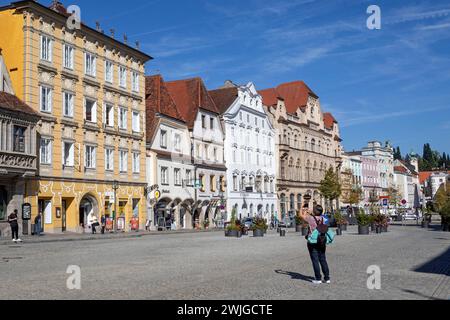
88, 89
308, 143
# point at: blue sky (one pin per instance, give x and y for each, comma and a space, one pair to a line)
389, 84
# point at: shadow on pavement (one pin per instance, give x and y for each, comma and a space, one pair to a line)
420, 294
295, 275
438, 265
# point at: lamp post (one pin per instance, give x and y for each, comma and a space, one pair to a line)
115, 187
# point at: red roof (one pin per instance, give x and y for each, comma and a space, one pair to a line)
190, 95
224, 98
329, 120
295, 95
423, 176
12, 103
158, 100
400, 169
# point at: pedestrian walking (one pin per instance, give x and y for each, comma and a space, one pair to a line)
38, 224
318, 237
103, 222
13, 222
93, 222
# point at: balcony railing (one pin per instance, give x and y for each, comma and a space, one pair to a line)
17, 161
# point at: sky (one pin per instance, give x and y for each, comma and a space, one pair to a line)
391, 84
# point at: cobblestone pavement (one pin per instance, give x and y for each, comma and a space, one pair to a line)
414, 262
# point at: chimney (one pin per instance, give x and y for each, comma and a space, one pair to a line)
125, 39
112, 32
97, 26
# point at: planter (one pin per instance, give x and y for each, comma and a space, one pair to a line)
373, 227
298, 228
343, 227
363, 230
258, 233
305, 231
339, 232
425, 224
445, 227
233, 233
384, 229
282, 233
378, 229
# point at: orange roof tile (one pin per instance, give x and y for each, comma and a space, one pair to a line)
329, 120
12, 103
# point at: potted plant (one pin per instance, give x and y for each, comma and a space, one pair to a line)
206, 224
298, 223
364, 221
259, 227
341, 222
445, 216
234, 227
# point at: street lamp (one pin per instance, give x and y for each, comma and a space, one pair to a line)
115, 187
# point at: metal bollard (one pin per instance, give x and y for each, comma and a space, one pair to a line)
282, 233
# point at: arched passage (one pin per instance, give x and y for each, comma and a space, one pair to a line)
88, 206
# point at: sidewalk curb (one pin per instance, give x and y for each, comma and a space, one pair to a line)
121, 236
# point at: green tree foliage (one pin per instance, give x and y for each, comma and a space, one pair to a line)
433, 160
330, 187
397, 154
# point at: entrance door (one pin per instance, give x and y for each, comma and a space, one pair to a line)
45, 208
63, 216
85, 209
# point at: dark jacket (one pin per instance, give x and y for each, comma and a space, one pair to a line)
12, 219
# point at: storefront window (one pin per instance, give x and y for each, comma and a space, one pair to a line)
122, 205
135, 208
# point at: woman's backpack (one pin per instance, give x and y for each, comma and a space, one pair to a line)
322, 235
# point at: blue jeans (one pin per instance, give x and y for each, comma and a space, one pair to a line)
319, 260
37, 229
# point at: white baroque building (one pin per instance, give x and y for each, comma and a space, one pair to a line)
249, 152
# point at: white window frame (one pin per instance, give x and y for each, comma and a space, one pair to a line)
45, 157
122, 77
136, 123
177, 176
136, 162
90, 157
46, 48
93, 111
90, 64
70, 162
109, 159
135, 81
123, 161
70, 106
163, 139
123, 118
49, 98
109, 75
164, 176
177, 142
68, 56
108, 118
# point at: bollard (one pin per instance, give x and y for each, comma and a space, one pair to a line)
282, 233
339, 232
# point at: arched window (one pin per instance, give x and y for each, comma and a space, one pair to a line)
299, 201
313, 145
292, 203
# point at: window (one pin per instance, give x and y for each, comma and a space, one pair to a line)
216, 158
68, 57
123, 161
164, 176
235, 183
203, 122
46, 48
248, 118
211, 123
46, 99
109, 115
109, 71
46, 151
202, 181
135, 81
212, 183
89, 159
123, 118
136, 162
68, 154
177, 142
189, 177
177, 177
90, 110
164, 139
109, 159
90, 64
122, 77
68, 99
136, 119
19, 139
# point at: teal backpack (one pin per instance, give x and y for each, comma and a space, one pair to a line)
322, 235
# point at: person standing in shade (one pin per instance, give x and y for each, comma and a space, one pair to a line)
13, 222
37, 224
317, 252
103, 222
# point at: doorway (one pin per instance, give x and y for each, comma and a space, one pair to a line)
88, 206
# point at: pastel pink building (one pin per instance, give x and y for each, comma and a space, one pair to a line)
370, 177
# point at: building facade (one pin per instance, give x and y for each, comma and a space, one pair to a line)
202, 117
18, 153
88, 89
249, 152
307, 143
384, 155
170, 171
370, 179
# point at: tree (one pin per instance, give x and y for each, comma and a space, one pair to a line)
373, 200
394, 196
397, 154
355, 196
330, 187
441, 197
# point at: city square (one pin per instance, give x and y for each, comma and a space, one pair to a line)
414, 264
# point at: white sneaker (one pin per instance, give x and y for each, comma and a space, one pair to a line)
316, 281
14, 240
19, 240
328, 281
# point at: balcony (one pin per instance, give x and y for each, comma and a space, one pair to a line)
17, 162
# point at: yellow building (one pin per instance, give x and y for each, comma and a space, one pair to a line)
90, 92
